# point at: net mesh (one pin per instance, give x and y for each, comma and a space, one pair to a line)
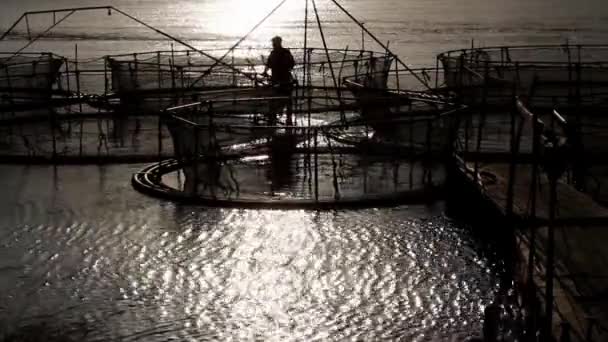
187, 69
222, 161
27, 79
551, 75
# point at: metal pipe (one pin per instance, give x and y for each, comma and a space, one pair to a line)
27, 25
381, 44
31, 41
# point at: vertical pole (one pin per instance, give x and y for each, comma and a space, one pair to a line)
194, 158
136, 67
233, 71
27, 25
11, 96
210, 129
467, 126
428, 172
331, 66
461, 88
531, 295
77, 77
105, 75
550, 266
316, 152
159, 66
309, 82
305, 84
437, 73
172, 65
482, 119
362, 37
160, 138
512, 164
569, 73
67, 78
397, 81
53, 118
80, 147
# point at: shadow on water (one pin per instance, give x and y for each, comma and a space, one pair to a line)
495, 241
47, 333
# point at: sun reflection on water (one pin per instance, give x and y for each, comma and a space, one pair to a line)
245, 14
189, 273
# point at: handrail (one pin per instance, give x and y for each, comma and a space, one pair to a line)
523, 47
408, 120
89, 8
560, 118
241, 48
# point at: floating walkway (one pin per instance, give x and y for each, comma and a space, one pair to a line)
561, 232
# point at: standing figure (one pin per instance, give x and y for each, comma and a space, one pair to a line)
281, 63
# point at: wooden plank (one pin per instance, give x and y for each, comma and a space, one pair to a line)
572, 205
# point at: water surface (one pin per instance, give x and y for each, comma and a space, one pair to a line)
82, 250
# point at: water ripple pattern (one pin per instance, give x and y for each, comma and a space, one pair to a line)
82, 251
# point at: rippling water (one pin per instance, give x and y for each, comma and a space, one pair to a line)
417, 29
81, 250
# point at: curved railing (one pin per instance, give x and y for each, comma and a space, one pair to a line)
315, 162
548, 75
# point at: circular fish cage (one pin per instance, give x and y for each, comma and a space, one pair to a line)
549, 75
152, 81
309, 160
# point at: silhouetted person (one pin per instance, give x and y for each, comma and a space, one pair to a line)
281, 63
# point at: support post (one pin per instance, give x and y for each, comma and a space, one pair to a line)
380, 43
513, 163
77, 71
550, 266
482, 118
316, 157
329, 61
160, 138
531, 290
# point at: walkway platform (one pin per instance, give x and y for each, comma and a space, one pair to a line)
581, 244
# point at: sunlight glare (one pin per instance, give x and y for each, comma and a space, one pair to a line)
236, 17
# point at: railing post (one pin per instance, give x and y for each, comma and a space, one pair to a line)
482, 118
512, 165
158, 63
195, 157
531, 290
160, 138
210, 129
429, 141
437, 73
550, 267
54, 140
106, 81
